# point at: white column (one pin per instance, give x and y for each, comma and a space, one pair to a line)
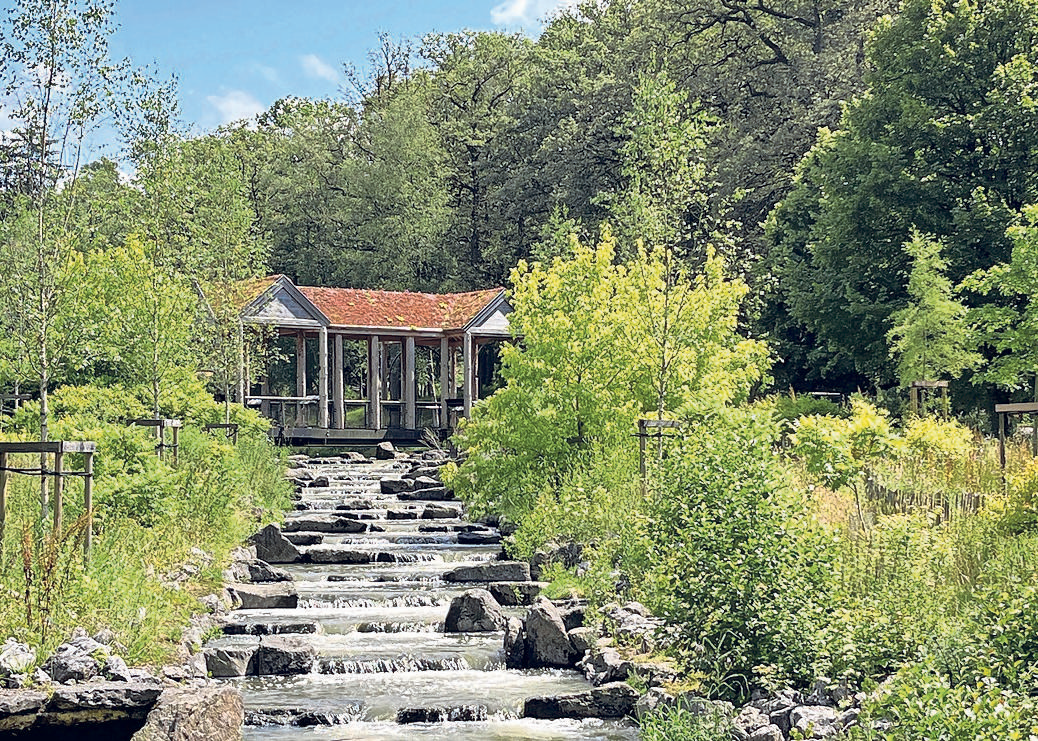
444, 380
375, 382
322, 380
409, 390
339, 386
300, 377
243, 365
469, 379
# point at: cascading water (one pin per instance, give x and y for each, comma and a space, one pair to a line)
376, 622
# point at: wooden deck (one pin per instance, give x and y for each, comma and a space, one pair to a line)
325, 436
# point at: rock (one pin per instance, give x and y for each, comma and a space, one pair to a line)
111, 699
304, 539
385, 451
425, 471
230, 661
515, 593
633, 624
261, 572
848, 718
490, 571
272, 628
485, 537
572, 613
284, 655
18, 709
603, 664
422, 483
395, 486
615, 700
398, 514
582, 639
440, 512
323, 524
15, 658
435, 494
475, 611
279, 595
515, 644
814, 721
652, 700
441, 715
116, 670
547, 643
339, 554
767, 733
320, 482
748, 721
273, 547
301, 717
567, 555
195, 714
78, 659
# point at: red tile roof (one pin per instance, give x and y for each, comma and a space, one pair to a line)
354, 307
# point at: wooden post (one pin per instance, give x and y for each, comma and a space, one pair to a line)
301, 377
445, 352
467, 389
322, 380
3, 498
642, 437
1002, 439
176, 445
88, 503
59, 486
408, 380
243, 365
375, 382
339, 386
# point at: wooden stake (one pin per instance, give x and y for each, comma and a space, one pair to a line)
59, 486
3, 498
88, 504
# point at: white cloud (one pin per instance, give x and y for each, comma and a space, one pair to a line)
235, 105
268, 73
314, 66
526, 12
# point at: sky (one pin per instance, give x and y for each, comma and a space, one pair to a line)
233, 58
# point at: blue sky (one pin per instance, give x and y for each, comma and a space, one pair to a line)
234, 58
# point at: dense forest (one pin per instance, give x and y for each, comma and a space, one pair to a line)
701, 210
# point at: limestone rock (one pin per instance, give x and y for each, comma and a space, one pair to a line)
396, 486
440, 512
433, 494
615, 700
195, 714
273, 547
284, 655
18, 709
475, 611
490, 571
441, 715
547, 643
479, 537
337, 524
77, 659
603, 664
278, 595
15, 658
231, 661
582, 639
814, 721
511, 594
385, 451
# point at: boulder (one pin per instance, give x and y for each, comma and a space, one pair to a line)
18, 709
385, 451
273, 547
15, 658
515, 593
434, 494
115, 669
490, 571
475, 611
615, 700
301, 717
603, 664
401, 514
108, 700
261, 572
748, 721
78, 659
582, 639
422, 483
395, 486
339, 554
479, 537
338, 524
547, 643
515, 644
304, 539
566, 554
814, 721
278, 595
230, 661
767, 733
195, 714
442, 715
651, 701
272, 628
283, 655
440, 512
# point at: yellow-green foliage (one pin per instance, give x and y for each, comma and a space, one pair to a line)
149, 516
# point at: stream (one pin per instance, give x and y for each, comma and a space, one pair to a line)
380, 643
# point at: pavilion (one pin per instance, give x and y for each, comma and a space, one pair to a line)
404, 341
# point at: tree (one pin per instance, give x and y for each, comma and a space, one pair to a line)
54, 65
929, 337
1010, 327
943, 142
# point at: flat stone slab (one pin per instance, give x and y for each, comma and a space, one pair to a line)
270, 596
432, 494
18, 708
304, 539
614, 700
333, 554
251, 628
490, 571
478, 537
338, 524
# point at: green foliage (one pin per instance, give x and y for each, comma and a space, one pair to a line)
679, 723
742, 582
929, 337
